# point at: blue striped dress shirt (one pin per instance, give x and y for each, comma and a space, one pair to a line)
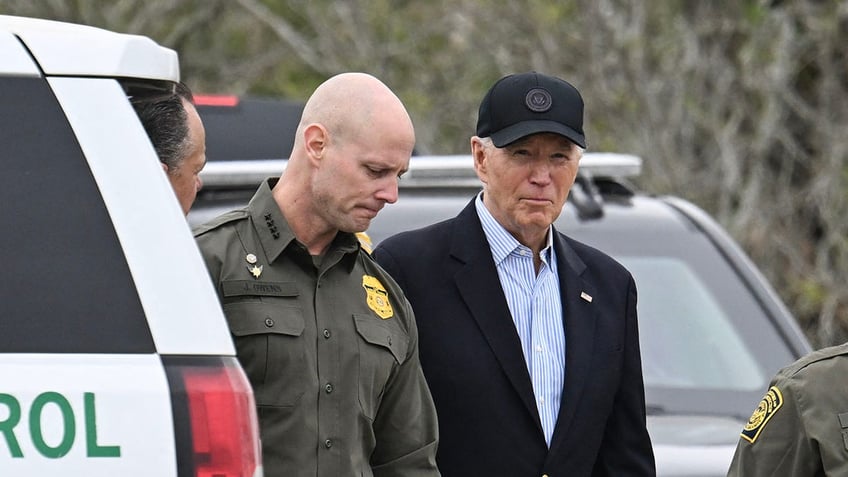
536, 309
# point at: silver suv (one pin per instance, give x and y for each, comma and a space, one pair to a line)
115, 358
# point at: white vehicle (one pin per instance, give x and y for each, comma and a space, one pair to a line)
115, 358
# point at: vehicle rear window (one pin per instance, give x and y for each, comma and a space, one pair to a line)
239, 131
65, 286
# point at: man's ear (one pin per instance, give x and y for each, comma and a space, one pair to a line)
315, 140
164, 167
478, 155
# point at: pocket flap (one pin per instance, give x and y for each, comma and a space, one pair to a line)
256, 317
375, 332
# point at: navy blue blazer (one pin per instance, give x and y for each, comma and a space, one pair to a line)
471, 355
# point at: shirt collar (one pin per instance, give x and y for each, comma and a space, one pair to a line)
273, 229
268, 222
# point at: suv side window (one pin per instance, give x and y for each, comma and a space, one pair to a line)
63, 243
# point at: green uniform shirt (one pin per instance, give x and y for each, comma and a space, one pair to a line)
330, 347
800, 428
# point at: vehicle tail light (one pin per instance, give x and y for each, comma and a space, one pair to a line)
215, 422
216, 100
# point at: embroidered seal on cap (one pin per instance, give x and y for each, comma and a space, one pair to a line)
538, 100
769, 405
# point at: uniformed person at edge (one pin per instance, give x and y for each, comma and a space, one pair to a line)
800, 428
325, 336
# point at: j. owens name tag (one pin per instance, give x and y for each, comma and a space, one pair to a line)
260, 288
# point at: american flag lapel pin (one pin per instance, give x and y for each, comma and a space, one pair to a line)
586, 296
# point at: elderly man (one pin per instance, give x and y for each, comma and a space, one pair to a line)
529, 339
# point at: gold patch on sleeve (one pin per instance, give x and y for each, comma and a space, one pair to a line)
377, 297
769, 405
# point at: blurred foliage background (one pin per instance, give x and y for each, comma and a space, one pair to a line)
739, 106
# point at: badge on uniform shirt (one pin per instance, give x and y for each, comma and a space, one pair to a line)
768, 406
377, 297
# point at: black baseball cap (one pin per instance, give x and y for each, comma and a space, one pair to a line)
528, 103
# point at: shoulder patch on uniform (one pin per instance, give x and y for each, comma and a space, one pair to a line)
768, 406
377, 297
220, 220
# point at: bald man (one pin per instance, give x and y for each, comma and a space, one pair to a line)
325, 336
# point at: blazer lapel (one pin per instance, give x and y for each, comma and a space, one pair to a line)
579, 322
480, 287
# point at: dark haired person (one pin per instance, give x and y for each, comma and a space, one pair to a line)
177, 135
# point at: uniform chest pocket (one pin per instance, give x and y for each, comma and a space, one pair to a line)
271, 349
382, 347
